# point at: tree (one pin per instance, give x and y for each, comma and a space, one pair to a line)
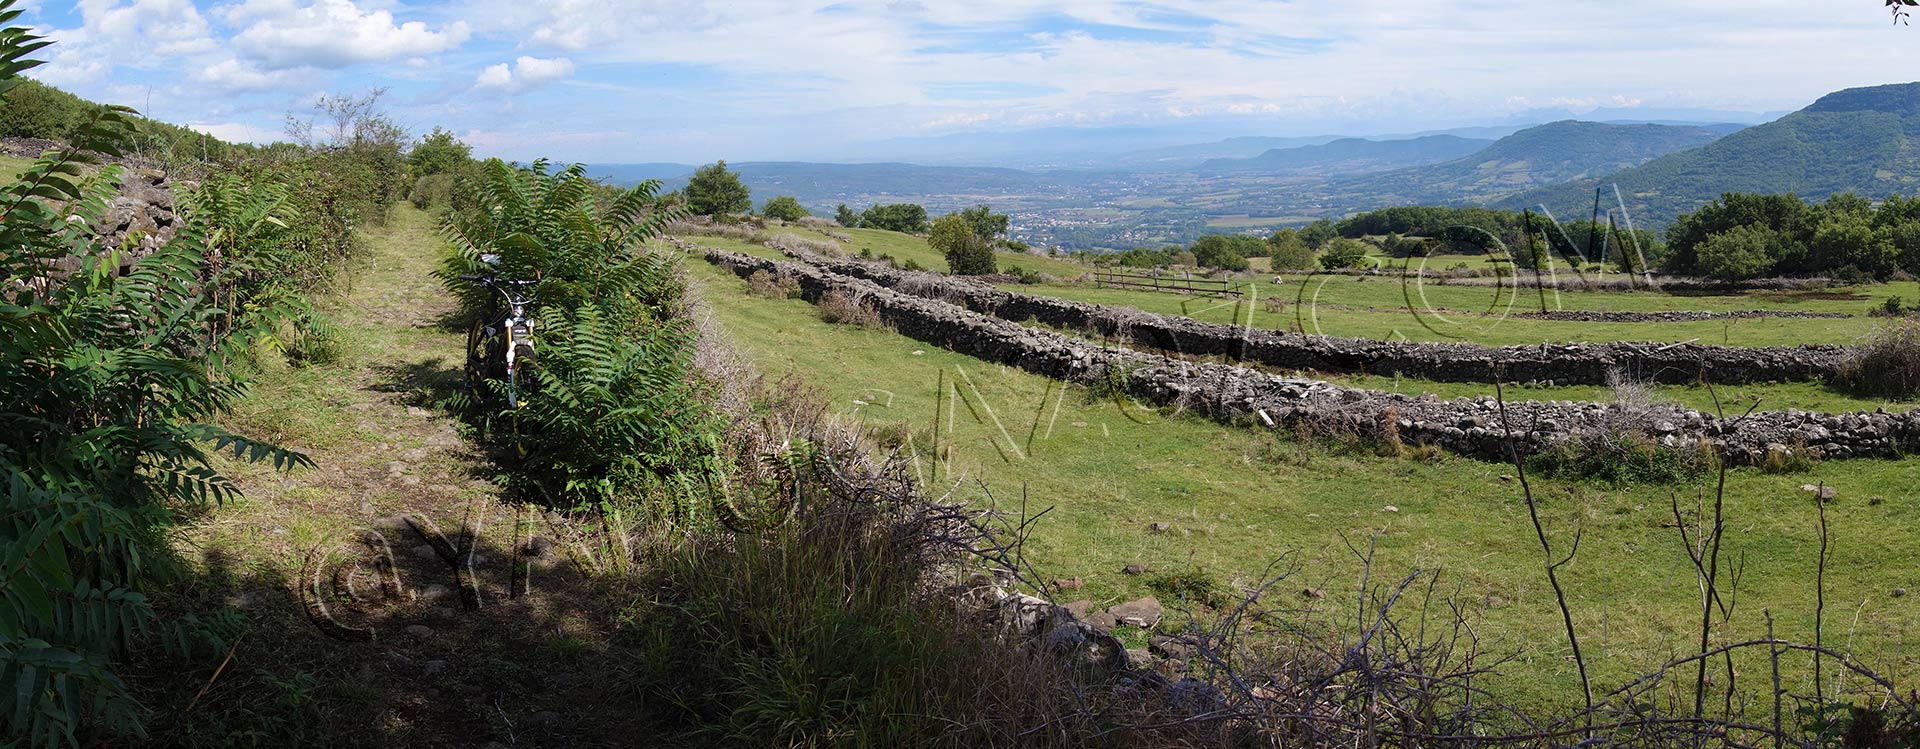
1343, 253
1219, 251
1289, 251
846, 216
438, 152
1849, 241
1737, 253
1318, 234
968, 254
785, 208
714, 191
901, 217
986, 224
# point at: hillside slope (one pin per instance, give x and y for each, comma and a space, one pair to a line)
1350, 156
1865, 140
1543, 155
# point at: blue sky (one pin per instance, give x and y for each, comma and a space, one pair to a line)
658, 80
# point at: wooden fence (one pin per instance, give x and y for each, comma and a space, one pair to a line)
1185, 283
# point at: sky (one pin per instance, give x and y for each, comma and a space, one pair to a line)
611, 81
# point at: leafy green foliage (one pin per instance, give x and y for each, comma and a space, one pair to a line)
714, 190
845, 216
985, 223
1845, 237
1318, 234
785, 208
1343, 253
901, 217
616, 418
438, 152
1289, 251
1737, 253
109, 375
968, 253
1227, 251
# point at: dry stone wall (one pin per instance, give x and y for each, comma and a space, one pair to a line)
1477, 427
1560, 364
1568, 315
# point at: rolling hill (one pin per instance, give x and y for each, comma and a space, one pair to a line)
1556, 152
1865, 140
1349, 156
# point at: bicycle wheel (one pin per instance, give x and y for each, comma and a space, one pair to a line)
520, 387
476, 373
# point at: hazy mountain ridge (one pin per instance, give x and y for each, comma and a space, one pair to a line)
1543, 155
1349, 156
1866, 140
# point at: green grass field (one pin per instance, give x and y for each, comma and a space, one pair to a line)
1378, 307
11, 167
909, 247
1238, 499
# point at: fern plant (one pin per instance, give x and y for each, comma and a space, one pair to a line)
618, 416
109, 377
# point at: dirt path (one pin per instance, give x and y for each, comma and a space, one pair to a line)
342, 647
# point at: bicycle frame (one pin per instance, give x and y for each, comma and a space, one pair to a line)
514, 326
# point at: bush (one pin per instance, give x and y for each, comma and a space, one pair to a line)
1343, 253
1887, 364
773, 286
431, 192
111, 381
839, 308
909, 218
620, 419
783, 207
1894, 306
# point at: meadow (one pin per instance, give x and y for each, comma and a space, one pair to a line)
1238, 499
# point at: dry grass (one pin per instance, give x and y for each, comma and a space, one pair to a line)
773, 285
1887, 364
797, 243
843, 309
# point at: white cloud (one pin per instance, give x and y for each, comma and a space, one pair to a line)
238, 132
332, 34
137, 33
233, 75
525, 73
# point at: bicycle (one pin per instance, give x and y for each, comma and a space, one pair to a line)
500, 348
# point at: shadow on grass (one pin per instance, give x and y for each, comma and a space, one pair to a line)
427, 383
377, 637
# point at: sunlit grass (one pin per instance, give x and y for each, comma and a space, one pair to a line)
1238, 498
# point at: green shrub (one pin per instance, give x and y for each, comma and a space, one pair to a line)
1343, 253
785, 208
618, 417
431, 192
108, 382
1621, 461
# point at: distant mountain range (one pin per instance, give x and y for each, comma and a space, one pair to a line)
1547, 154
1349, 156
1866, 140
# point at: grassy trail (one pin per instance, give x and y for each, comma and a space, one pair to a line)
435, 673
